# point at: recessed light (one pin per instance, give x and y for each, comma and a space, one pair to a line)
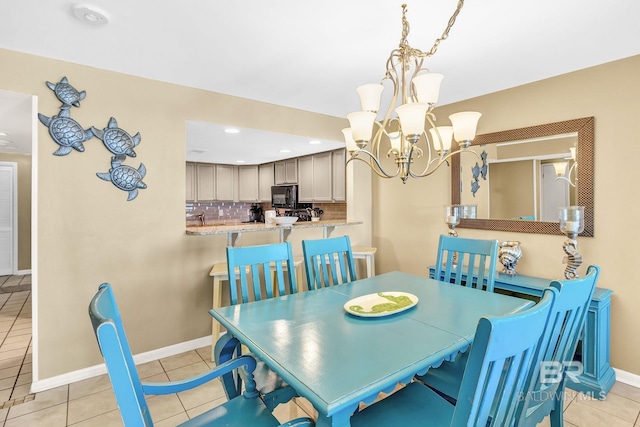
315, 142
232, 130
285, 151
5, 142
89, 14
4, 133
198, 150
239, 161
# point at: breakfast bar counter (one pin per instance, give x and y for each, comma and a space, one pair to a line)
234, 231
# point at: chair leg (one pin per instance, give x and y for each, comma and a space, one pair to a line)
556, 417
217, 301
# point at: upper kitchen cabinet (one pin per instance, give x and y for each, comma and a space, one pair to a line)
248, 184
190, 190
286, 172
225, 182
265, 181
339, 191
214, 182
315, 178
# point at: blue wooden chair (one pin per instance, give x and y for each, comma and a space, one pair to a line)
321, 257
245, 410
467, 262
269, 266
558, 345
501, 363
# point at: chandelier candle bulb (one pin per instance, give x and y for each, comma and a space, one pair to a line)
348, 139
464, 126
370, 96
428, 87
361, 126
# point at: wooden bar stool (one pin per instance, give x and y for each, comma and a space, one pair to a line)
368, 254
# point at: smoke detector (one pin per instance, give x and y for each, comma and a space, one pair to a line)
90, 14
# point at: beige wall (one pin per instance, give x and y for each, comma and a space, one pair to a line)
408, 217
89, 233
23, 162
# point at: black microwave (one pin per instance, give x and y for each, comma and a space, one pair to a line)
284, 196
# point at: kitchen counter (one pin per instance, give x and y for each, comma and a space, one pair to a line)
234, 231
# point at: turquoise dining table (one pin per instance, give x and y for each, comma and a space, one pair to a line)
337, 360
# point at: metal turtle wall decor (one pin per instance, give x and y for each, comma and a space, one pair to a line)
117, 140
125, 177
66, 93
70, 135
66, 132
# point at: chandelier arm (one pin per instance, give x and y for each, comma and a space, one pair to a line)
379, 170
429, 169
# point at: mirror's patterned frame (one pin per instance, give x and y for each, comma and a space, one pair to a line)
585, 129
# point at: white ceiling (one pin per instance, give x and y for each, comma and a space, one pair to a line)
312, 55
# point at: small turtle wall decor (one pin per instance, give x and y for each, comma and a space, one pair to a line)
70, 135
125, 177
66, 132
66, 93
117, 140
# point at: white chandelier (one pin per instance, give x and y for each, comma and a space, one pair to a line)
418, 91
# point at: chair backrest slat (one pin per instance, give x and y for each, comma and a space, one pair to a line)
328, 262
500, 365
467, 262
261, 262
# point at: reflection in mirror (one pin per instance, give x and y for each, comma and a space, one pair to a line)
521, 177
520, 180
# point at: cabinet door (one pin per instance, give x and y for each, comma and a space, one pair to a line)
248, 183
291, 171
190, 182
322, 182
339, 176
265, 182
225, 184
206, 181
280, 173
305, 179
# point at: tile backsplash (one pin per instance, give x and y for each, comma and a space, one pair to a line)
237, 212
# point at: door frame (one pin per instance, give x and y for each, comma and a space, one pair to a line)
14, 215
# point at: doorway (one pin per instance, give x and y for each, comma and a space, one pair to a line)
8, 218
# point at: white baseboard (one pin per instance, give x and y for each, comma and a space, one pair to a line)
23, 272
627, 378
94, 371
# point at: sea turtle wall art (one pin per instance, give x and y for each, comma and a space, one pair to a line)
70, 135
125, 177
66, 132
66, 93
117, 140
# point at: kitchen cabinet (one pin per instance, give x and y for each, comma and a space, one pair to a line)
315, 178
248, 184
205, 182
214, 182
225, 182
286, 172
339, 172
265, 181
190, 182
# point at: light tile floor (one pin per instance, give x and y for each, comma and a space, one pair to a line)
91, 402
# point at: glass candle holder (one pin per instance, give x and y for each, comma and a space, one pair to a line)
571, 224
571, 220
452, 218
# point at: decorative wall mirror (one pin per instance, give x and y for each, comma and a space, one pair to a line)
518, 160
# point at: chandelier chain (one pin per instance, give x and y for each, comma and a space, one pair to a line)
436, 44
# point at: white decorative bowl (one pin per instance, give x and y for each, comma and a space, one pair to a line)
285, 220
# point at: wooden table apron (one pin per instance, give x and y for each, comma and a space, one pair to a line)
336, 360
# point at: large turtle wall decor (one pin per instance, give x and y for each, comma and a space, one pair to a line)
70, 135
